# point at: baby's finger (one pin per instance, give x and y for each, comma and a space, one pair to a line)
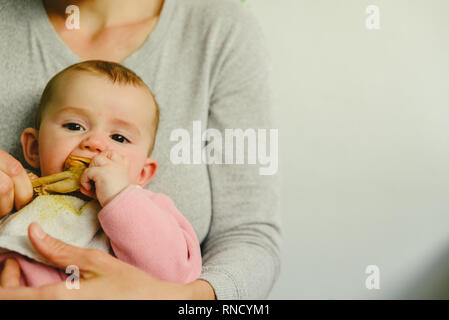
117, 158
90, 174
114, 156
108, 154
99, 160
90, 194
88, 180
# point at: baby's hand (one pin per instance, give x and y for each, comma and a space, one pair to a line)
109, 172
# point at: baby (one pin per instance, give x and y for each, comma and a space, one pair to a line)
105, 112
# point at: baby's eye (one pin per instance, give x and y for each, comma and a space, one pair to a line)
73, 126
119, 138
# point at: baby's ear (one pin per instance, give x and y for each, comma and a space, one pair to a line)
30, 146
148, 171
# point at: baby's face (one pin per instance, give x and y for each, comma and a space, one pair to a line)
87, 114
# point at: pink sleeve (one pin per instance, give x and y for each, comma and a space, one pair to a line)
147, 231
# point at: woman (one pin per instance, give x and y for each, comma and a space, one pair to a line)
204, 61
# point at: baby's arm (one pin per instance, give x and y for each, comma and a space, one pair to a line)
147, 231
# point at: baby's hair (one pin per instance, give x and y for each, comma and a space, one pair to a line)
115, 72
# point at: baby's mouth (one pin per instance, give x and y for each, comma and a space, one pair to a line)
76, 161
67, 181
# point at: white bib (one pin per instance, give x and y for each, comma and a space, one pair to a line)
64, 217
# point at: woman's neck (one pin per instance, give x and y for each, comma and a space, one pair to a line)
107, 13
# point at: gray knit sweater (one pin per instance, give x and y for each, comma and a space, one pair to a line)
205, 61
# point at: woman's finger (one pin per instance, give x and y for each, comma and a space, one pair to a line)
6, 194
61, 254
49, 292
10, 276
23, 190
32, 176
22, 293
55, 291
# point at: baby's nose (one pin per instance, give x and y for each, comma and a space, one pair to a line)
94, 143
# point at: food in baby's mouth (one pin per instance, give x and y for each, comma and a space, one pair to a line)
62, 182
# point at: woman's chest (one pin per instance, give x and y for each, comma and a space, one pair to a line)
114, 43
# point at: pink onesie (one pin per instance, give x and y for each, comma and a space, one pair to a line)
145, 230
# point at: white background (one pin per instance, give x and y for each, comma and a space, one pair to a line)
364, 146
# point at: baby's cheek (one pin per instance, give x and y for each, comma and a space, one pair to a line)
134, 172
133, 177
134, 159
52, 156
50, 165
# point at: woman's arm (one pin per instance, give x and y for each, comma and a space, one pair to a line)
200, 290
241, 254
102, 276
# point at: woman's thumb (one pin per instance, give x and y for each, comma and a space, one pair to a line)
58, 253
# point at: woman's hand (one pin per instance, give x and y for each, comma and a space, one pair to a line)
102, 276
10, 276
15, 186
